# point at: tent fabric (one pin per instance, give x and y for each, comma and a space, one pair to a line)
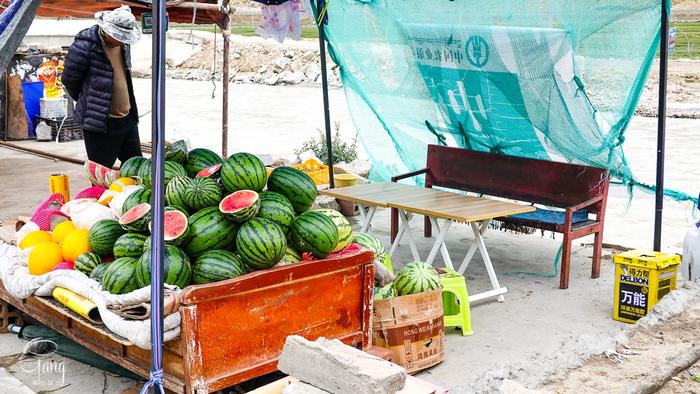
531, 78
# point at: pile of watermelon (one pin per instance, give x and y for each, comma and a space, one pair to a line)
223, 219
415, 277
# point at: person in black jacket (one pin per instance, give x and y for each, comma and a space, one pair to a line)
97, 76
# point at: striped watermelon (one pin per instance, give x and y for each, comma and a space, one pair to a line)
314, 232
369, 242
243, 171
383, 293
240, 206
199, 159
177, 152
217, 265
120, 276
103, 235
277, 208
87, 262
176, 230
298, 187
137, 218
416, 277
176, 268
132, 167
129, 245
176, 190
202, 193
171, 169
261, 243
140, 196
98, 271
291, 256
210, 230
344, 229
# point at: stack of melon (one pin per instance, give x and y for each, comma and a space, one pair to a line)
222, 219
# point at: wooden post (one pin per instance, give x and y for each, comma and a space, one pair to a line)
225, 81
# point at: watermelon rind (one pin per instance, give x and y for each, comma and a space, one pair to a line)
277, 208
176, 268
210, 172
261, 243
176, 190
87, 262
383, 293
132, 167
129, 245
137, 218
369, 242
416, 277
201, 193
171, 170
315, 233
290, 256
345, 236
297, 186
243, 171
120, 276
242, 214
209, 230
176, 227
140, 196
176, 152
103, 235
217, 265
199, 159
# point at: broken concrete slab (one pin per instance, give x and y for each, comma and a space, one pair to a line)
335, 367
303, 388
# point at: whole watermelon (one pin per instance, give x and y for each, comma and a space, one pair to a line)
171, 170
243, 171
129, 245
120, 276
344, 229
314, 232
98, 271
416, 277
103, 235
210, 230
132, 167
176, 268
177, 152
277, 208
298, 187
201, 193
176, 190
199, 159
261, 243
140, 196
217, 265
87, 262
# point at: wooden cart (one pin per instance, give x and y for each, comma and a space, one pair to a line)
234, 330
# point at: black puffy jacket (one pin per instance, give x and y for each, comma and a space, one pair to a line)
87, 77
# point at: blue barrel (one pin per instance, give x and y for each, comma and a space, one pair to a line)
33, 92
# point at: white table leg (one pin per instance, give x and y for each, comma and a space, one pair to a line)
472, 250
497, 291
440, 243
405, 227
367, 217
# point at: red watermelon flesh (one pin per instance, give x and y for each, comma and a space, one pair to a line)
135, 213
63, 266
352, 248
174, 223
238, 200
209, 171
91, 170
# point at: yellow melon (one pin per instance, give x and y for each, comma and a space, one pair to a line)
119, 184
44, 257
75, 244
34, 238
62, 230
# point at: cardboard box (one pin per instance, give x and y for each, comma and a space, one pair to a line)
412, 327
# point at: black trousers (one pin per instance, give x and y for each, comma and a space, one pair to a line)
120, 142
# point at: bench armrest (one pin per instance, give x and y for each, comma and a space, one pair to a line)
409, 174
587, 203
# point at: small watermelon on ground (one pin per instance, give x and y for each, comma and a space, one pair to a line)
243, 171
103, 235
261, 243
176, 268
314, 232
120, 276
240, 206
209, 172
202, 193
129, 245
137, 218
98, 271
277, 208
140, 196
217, 265
87, 262
176, 190
344, 229
199, 159
132, 167
176, 152
175, 227
416, 277
383, 293
369, 242
210, 230
297, 186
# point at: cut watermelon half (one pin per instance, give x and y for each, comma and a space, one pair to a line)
175, 227
352, 248
137, 218
209, 171
240, 206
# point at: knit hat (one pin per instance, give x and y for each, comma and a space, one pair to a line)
119, 24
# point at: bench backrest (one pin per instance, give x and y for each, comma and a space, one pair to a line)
517, 178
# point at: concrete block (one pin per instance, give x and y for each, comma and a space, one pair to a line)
303, 388
337, 368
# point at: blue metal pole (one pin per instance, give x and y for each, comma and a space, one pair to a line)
157, 142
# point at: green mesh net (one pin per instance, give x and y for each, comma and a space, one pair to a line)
554, 80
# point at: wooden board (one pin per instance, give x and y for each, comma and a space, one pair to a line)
377, 194
16, 116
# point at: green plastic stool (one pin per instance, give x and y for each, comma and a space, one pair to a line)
455, 301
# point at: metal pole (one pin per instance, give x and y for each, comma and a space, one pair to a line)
157, 157
324, 86
661, 138
224, 80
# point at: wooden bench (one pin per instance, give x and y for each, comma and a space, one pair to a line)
579, 191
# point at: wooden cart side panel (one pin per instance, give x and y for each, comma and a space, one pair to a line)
368, 296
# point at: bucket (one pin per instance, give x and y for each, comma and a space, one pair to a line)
345, 180
33, 92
